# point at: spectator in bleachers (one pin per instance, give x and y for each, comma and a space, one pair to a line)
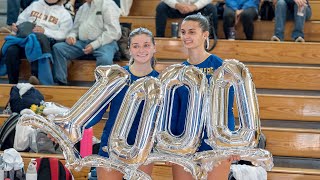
13, 11
38, 27
182, 8
96, 31
299, 11
245, 11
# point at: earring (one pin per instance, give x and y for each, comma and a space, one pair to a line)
207, 47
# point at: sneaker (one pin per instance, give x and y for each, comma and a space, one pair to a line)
300, 39
34, 80
275, 38
5, 29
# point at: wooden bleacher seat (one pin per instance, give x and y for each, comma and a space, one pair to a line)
245, 51
279, 68
272, 106
280, 141
264, 76
248, 51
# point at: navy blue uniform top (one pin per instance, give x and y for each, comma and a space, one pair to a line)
181, 99
115, 105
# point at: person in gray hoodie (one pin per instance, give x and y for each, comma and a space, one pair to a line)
95, 31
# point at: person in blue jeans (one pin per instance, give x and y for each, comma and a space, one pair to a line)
141, 64
194, 36
288, 9
235, 11
13, 11
182, 8
96, 31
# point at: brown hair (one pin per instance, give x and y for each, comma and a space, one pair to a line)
139, 31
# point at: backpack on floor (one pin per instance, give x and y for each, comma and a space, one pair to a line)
52, 169
7, 131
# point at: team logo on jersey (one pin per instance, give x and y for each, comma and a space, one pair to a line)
44, 17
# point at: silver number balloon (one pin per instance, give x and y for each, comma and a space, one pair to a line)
242, 141
148, 90
180, 149
233, 73
109, 81
195, 80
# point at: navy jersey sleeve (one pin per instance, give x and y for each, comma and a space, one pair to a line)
97, 118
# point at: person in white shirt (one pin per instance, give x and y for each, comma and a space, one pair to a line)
182, 8
96, 31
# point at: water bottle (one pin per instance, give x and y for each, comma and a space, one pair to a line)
232, 33
86, 143
174, 30
32, 170
301, 10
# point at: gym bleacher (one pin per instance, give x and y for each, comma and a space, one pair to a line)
286, 76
